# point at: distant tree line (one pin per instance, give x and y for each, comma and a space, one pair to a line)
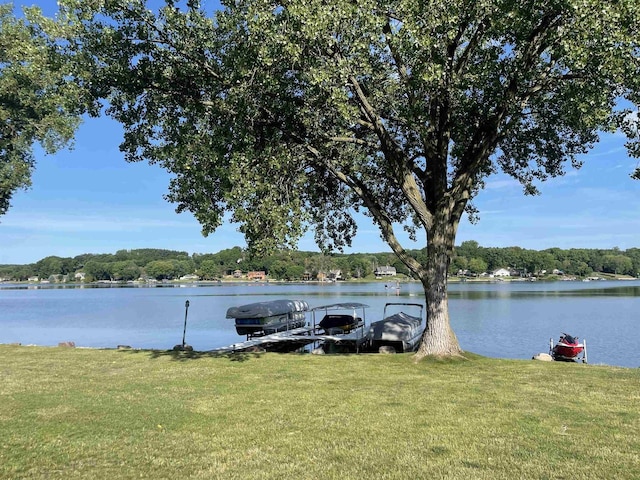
469, 259
124, 265
579, 262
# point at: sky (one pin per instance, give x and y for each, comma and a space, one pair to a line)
89, 200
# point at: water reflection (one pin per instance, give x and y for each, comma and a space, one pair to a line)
479, 294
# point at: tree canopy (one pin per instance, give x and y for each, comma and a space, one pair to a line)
294, 114
39, 101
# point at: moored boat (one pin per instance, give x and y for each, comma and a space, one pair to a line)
400, 331
568, 349
339, 317
269, 317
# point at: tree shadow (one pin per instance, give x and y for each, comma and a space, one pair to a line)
183, 356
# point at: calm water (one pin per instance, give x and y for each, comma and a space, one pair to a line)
509, 320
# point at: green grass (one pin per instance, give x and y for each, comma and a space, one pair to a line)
79, 413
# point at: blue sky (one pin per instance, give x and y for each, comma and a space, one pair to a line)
89, 200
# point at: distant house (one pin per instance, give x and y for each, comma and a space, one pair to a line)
335, 275
190, 277
385, 271
502, 272
33, 279
79, 276
256, 275
237, 274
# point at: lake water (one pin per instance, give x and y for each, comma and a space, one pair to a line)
508, 319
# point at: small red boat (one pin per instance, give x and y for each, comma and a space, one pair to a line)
568, 349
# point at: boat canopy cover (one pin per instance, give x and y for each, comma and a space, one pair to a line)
267, 309
336, 320
399, 326
338, 306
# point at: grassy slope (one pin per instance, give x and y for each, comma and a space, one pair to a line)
76, 413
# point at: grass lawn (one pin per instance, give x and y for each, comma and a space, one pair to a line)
80, 413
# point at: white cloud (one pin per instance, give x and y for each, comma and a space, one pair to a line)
76, 223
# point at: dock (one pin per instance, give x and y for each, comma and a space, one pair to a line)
296, 338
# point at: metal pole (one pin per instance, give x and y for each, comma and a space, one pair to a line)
186, 310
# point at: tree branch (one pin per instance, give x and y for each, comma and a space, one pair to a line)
381, 218
357, 141
377, 211
474, 41
164, 38
394, 155
486, 139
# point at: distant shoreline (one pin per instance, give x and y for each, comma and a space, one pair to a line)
236, 281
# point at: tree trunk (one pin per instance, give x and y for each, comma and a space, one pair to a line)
438, 338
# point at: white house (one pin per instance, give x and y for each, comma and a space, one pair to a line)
386, 271
190, 277
502, 272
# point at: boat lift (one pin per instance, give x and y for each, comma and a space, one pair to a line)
341, 328
330, 326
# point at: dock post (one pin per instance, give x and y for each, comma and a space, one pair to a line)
184, 346
186, 311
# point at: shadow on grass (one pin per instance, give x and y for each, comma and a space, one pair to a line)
183, 356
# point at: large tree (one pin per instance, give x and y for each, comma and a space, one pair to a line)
39, 101
296, 114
